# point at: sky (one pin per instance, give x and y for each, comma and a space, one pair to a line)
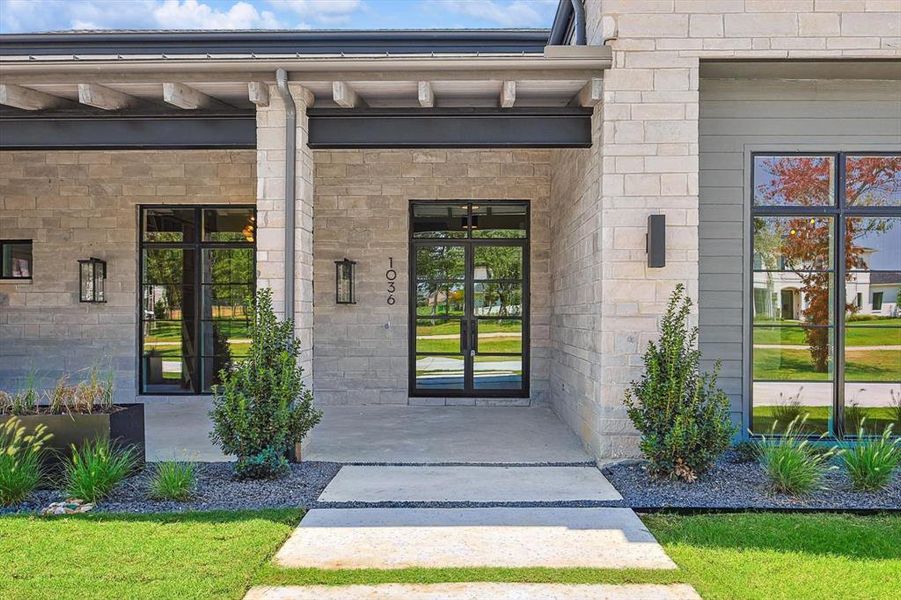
18, 16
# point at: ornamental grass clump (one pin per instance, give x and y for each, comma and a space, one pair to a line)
682, 415
173, 480
93, 470
262, 407
791, 463
21, 456
870, 462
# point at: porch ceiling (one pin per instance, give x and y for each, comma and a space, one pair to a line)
561, 76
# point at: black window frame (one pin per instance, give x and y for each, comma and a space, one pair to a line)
31, 263
471, 242
877, 296
197, 246
838, 212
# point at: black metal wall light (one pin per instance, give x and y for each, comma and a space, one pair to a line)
345, 286
656, 241
91, 280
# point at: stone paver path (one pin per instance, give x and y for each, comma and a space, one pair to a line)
468, 484
552, 535
477, 591
394, 538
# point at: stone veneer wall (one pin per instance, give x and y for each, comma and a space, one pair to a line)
361, 211
646, 157
75, 205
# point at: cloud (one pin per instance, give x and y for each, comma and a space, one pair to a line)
191, 14
515, 13
326, 12
50, 15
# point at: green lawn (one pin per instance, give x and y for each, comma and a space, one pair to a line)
877, 332
196, 555
877, 419
219, 555
861, 365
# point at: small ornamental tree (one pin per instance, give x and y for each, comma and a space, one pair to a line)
262, 407
682, 416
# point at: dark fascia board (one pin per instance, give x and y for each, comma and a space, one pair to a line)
128, 133
568, 127
275, 42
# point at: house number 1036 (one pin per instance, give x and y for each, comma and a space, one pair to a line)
391, 276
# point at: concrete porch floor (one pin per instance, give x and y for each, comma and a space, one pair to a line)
386, 434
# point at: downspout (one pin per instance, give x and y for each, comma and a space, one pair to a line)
579, 22
281, 82
571, 11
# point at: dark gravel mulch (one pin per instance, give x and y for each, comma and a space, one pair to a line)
735, 485
216, 490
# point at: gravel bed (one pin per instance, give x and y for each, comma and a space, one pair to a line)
216, 490
734, 485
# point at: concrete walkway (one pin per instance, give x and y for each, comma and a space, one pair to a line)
395, 538
468, 484
446, 434
476, 591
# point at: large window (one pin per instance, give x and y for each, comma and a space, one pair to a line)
197, 277
15, 259
826, 239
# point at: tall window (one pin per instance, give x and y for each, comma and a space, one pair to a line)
826, 235
197, 279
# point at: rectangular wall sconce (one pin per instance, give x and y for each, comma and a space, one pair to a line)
344, 282
91, 279
656, 241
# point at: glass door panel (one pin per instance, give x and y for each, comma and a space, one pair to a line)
439, 336
470, 295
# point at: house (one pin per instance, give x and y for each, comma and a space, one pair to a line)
490, 192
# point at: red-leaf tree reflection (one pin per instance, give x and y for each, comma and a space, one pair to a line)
805, 244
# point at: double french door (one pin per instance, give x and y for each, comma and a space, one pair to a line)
469, 299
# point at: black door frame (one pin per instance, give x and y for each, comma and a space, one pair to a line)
469, 243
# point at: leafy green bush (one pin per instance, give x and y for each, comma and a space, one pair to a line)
792, 464
682, 415
870, 462
262, 408
173, 480
93, 471
20, 460
745, 451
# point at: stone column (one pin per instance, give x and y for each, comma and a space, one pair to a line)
648, 162
271, 214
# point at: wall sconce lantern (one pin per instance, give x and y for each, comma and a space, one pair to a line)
91, 279
344, 282
656, 241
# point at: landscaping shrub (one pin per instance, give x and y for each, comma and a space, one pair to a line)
682, 415
745, 451
870, 462
173, 481
792, 464
94, 470
20, 460
262, 408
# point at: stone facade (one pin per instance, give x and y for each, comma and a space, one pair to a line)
647, 158
271, 214
75, 205
361, 211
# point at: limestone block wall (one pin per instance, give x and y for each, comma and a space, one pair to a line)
76, 205
647, 160
361, 211
270, 160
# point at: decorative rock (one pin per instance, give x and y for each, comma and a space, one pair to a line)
72, 506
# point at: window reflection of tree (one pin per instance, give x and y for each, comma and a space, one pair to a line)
804, 242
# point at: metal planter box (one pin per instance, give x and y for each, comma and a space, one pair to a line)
125, 426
